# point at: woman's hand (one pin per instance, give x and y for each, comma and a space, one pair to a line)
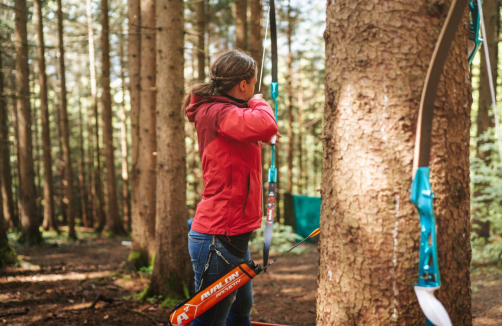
256, 97
277, 136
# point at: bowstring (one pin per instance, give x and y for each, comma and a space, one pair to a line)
490, 79
264, 48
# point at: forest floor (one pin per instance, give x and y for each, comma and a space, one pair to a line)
84, 283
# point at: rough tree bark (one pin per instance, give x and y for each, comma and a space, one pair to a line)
123, 140
144, 164
377, 55
484, 120
98, 204
70, 200
113, 224
49, 222
28, 207
169, 279
5, 170
241, 25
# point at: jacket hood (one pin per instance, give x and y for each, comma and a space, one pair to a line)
196, 102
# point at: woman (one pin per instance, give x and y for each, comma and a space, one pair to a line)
231, 125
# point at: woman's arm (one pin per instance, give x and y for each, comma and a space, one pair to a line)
255, 123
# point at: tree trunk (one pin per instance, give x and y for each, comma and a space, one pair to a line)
98, 203
139, 223
145, 163
28, 212
241, 27
369, 229
123, 140
7, 254
113, 218
81, 167
5, 169
36, 148
200, 7
300, 135
171, 227
484, 120
16, 175
289, 186
91, 190
256, 41
49, 222
70, 201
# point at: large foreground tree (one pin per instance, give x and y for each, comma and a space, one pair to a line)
377, 57
172, 269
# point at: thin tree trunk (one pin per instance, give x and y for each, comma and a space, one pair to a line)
91, 190
123, 140
61, 188
300, 135
241, 29
170, 279
113, 218
98, 203
289, 186
36, 148
142, 65
5, 169
49, 222
143, 234
16, 175
256, 41
66, 131
369, 228
484, 120
28, 213
200, 7
81, 168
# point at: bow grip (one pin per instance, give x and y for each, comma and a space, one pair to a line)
422, 197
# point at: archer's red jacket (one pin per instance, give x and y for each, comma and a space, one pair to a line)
230, 137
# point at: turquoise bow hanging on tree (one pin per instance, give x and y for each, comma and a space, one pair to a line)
421, 193
272, 171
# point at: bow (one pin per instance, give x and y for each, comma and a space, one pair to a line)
421, 193
474, 39
272, 171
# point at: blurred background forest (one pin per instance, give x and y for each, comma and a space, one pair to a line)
78, 111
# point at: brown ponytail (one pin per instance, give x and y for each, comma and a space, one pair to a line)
229, 69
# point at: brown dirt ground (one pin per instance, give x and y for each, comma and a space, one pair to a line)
71, 276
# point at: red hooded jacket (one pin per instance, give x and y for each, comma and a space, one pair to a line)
230, 137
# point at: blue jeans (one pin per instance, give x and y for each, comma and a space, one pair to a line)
235, 309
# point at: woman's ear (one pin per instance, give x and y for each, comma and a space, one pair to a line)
243, 85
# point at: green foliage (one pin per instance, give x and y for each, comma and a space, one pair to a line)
142, 296
171, 301
283, 238
186, 291
146, 269
486, 202
7, 255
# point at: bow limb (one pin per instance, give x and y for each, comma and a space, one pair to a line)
272, 171
421, 192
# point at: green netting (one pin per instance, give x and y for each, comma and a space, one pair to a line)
303, 213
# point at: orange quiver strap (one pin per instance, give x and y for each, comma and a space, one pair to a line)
187, 311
